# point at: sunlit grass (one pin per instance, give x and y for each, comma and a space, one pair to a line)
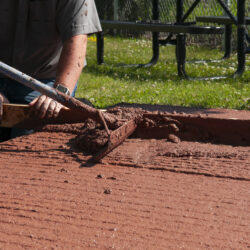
109, 84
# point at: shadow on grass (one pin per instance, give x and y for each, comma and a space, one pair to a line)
161, 73
133, 73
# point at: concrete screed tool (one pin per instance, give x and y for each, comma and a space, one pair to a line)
115, 137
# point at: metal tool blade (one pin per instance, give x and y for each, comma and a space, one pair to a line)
117, 137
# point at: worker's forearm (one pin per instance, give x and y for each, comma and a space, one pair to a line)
71, 61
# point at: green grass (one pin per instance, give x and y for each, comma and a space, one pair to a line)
109, 84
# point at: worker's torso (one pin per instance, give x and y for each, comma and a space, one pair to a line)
29, 39
32, 31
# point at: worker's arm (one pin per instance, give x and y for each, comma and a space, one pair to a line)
71, 61
68, 72
3, 99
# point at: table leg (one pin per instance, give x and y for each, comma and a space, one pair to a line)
228, 41
100, 47
241, 36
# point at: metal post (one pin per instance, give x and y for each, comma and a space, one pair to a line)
116, 6
227, 35
155, 10
179, 11
155, 35
116, 15
100, 47
180, 42
241, 35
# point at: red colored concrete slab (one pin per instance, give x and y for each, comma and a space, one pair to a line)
146, 194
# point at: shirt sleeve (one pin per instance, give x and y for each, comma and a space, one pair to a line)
77, 17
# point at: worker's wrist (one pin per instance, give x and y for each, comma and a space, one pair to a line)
62, 88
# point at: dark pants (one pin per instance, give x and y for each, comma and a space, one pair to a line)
18, 93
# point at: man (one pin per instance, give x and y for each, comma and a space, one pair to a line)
47, 40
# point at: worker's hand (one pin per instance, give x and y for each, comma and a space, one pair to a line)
45, 107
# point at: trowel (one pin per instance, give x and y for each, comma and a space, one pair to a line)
115, 137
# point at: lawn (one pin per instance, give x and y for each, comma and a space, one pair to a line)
109, 84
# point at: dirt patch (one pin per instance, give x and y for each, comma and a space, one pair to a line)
92, 137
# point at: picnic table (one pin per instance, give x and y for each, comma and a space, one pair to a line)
180, 28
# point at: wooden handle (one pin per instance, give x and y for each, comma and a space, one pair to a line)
20, 116
13, 114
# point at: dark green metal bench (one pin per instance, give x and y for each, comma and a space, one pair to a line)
180, 28
161, 27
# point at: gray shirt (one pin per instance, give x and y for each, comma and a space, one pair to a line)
32, 32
